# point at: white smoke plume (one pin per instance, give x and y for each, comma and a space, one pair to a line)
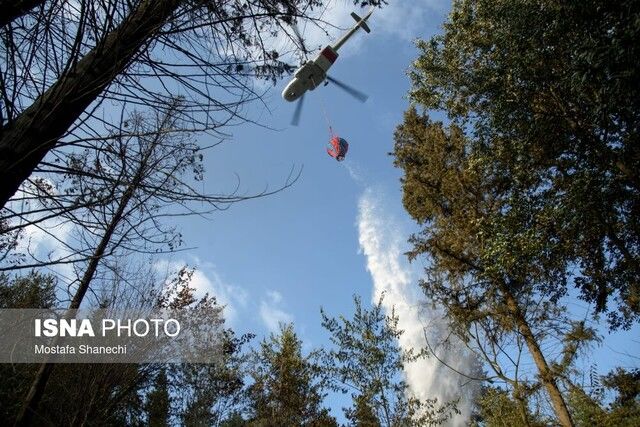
381, 240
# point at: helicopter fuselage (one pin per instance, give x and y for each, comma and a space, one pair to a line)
310, 75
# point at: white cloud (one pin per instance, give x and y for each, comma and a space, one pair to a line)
275, 296
401, 19
407, 19
44, 240
381, 240
270, 312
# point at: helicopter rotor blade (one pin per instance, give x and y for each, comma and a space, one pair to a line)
362, 97
298, 111
300, 40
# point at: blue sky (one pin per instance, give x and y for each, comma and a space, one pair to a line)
341, 229
303, 242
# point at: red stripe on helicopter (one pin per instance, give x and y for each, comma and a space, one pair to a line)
330, 54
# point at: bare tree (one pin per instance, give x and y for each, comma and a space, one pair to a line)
143, 171
62, 63
141, 176
13, 9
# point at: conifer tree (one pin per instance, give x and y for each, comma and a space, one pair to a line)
288, 388
367, 362
158, 404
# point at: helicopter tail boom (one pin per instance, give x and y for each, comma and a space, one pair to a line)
360, 23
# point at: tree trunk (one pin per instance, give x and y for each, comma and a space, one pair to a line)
32, 400
26, 141
14, 9
547, 377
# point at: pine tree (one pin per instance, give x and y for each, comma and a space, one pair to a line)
548, 90
367, 361
287, 387
158, 402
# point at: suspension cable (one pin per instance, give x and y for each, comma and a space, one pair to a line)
324, 110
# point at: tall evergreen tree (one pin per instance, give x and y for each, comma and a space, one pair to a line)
490, 269
549, 91
366, 360
288, 387
158, 403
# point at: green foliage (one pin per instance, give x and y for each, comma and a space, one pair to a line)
362, 413
34, 290
586, 410
483, 240
625, 408
621, 410
626, 384
288, 387
548, 90
534, 185
234, 420
367, 362
121, 394
497, 409
212, 394
204, 394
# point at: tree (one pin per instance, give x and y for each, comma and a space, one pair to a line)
367, 362
30, 291
141, 52
496, 408
145, 168
158, 404
490, 269
614, 401
8, 243
212, 394
549, 91
103, 393
131, 394
16, 8
530, 189
144, 177
34, 290
362, 413
287, 387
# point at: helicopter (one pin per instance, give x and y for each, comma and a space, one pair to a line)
312, 73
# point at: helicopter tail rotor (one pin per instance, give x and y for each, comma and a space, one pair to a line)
360, 96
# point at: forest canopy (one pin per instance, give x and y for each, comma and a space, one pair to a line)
529, 194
